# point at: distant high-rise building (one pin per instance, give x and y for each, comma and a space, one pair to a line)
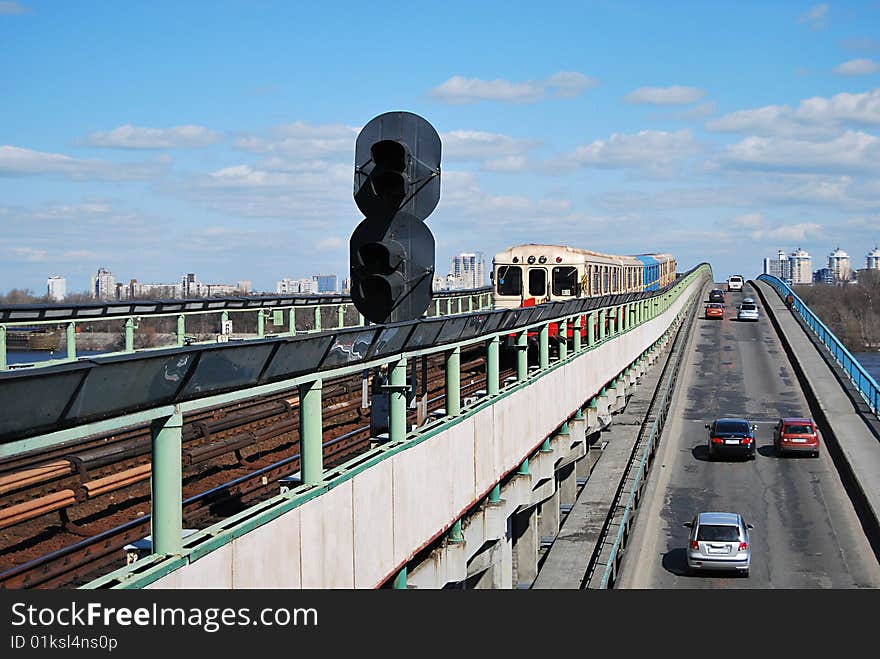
245, 286
56, 288
839, 265
778, 267
104, 285
823, 276
468, 270
289, 286
801, 267
346, 286
872, 261
326, 283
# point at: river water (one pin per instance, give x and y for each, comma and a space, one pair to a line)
871, 362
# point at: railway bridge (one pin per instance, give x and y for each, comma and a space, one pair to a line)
486, 455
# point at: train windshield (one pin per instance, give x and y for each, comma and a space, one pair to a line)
537, 282
509, 280
564, 281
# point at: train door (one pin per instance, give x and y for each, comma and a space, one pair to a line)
538, 283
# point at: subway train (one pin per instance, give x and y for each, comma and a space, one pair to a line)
531, 274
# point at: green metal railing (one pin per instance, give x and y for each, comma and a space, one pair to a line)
286, 320
316, 480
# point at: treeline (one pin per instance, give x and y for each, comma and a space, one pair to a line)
851, 311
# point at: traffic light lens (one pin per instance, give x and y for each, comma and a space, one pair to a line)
389, 154
390, 187
381, 258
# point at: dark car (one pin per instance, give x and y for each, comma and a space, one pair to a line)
731, 436
716, 295
797, 435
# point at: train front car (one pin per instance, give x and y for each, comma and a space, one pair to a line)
526, 275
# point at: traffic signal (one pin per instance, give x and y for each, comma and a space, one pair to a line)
396, 186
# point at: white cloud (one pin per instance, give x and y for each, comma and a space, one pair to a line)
459, 90
12, 8
700, 111
814, 118
134, 137
816, 16
748, 221
675, 95
857, 67
802, 232
464, 145
302, 140
647, 149
850, 151
17, 161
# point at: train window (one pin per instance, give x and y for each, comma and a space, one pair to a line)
614, 280
509, 279
596, 284
606, 280
537, 281
564, 281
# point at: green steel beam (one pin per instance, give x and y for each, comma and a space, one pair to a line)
495, 493
400, 579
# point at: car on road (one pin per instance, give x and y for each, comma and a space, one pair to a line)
796, 435
715, 310
731, 436
747, 310
716, 295
719, 541
735, 283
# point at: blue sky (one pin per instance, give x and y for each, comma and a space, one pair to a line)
161, 138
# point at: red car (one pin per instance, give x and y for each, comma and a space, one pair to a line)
797, 435
715, 310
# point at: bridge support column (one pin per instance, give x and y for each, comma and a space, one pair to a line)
311, 432
71, 340
593, 415
129, 335
525, 546
568, 484
493, 372
453, 382
167, 502
522, 356
544, 346
548, 517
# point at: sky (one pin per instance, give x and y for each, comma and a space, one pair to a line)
160, 138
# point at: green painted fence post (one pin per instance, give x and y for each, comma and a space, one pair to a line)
181, 330
453, 382
167, 503
522, 356
563, 340
397, 401
576, 334
493, 368
591, 329
544, 346
311, 424
71, 340
3, 364
129, 334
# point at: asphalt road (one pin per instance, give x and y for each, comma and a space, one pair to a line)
806, 532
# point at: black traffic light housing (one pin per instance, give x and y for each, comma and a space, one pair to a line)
396, 186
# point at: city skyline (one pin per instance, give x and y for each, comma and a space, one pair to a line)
231, 150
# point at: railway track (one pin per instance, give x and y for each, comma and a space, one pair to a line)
218, 480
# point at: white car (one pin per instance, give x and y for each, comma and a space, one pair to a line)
748, 310
719, 541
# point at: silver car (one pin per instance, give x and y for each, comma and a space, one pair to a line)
748, 310
719, 541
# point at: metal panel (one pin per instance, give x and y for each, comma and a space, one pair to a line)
350, 347
227, 368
